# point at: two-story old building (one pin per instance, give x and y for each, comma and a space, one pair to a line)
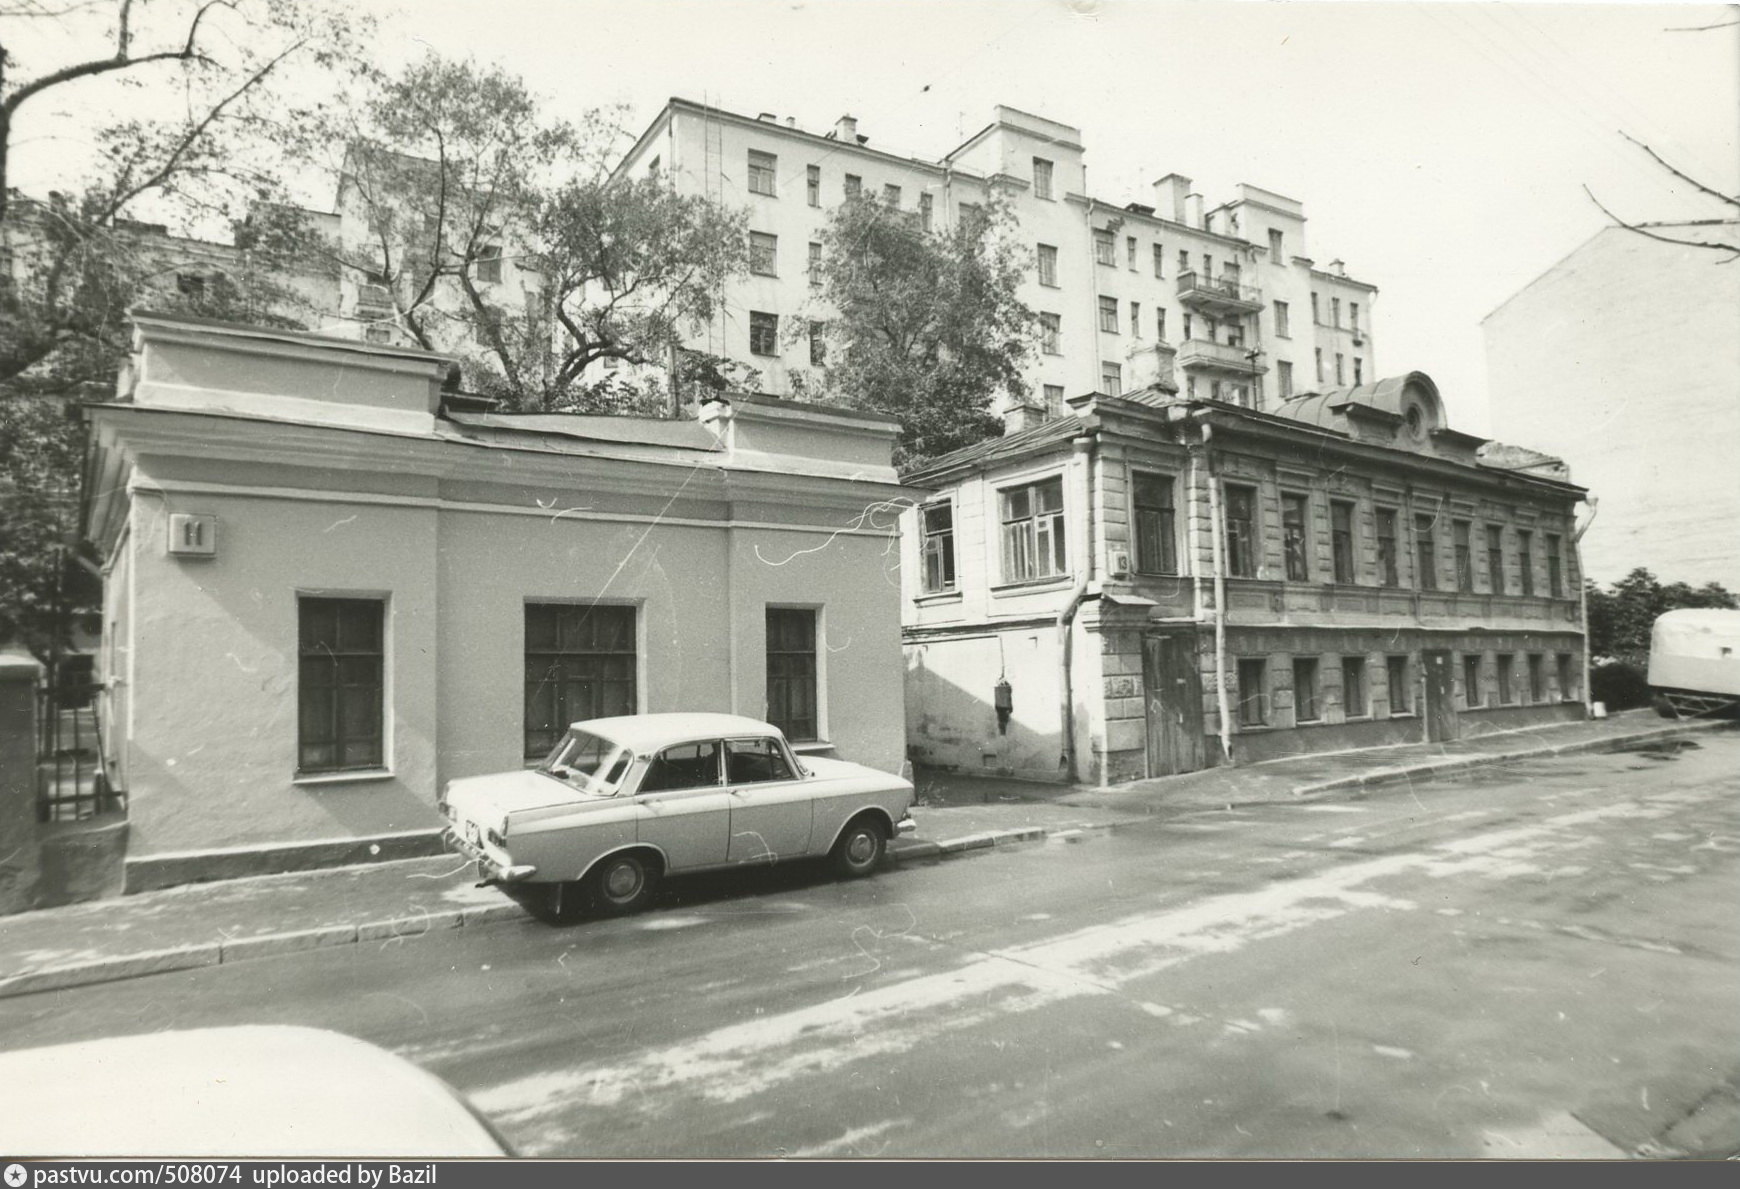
330, 588
1156, 585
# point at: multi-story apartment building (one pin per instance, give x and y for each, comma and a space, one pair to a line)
1216, 304
1625, 356
1154, 585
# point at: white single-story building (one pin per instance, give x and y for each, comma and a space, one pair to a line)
330, 589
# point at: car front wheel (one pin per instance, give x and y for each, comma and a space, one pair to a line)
859, 850
621, 883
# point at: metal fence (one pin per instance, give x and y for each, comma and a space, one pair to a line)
71, 782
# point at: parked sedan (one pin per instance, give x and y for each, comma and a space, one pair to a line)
621, 802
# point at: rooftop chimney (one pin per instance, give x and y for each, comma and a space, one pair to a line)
791, 121
1169, 195
846, 129
1338, 267
1193, 212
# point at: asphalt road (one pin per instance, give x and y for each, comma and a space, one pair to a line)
1541, 961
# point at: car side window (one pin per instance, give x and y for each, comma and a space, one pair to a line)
755, 761
685, 766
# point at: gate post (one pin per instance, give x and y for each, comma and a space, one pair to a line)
20, 676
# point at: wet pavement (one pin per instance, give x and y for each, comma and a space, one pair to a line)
236, 920
1533, 960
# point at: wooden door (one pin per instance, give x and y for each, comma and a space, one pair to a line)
1172, 693
1441, 721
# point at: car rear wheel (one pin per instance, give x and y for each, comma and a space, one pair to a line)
860, 848
622, 883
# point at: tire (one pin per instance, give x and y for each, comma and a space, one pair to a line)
860, 847
621, 884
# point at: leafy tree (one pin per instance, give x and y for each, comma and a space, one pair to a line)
1620, 620
74, 262
925, 326
499, 236
80, 258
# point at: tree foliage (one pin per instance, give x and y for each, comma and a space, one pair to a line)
500, 236
1620, 619
124, 228
242, 117
925, 326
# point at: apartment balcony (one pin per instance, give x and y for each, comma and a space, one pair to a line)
1223, 298
1209, 356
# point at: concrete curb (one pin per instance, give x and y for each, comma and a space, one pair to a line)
1455, 765
271, 945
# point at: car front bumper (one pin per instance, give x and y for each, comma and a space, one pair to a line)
905, 825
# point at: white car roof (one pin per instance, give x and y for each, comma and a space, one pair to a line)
642, 732
251, 1090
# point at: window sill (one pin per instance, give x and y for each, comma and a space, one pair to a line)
1031, 586
932, 598
354, 776
1405, 714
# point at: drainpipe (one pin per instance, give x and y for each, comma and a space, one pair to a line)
1583, 602
1083, 460
1216, 532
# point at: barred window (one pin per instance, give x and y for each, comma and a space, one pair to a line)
580, 664
791, 671
341, 651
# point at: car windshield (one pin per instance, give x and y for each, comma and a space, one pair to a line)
588, 762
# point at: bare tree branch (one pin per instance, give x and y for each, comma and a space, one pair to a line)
120, 61
1732, 251
1731, 200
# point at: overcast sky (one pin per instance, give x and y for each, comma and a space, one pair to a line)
1439, 149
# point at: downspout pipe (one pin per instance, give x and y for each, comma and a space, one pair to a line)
1083, 464
1583, 602
1217, 532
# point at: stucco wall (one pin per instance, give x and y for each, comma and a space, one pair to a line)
211, 745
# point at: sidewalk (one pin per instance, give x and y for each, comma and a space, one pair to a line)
390, 903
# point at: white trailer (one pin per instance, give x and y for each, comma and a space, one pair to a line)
1694, 662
